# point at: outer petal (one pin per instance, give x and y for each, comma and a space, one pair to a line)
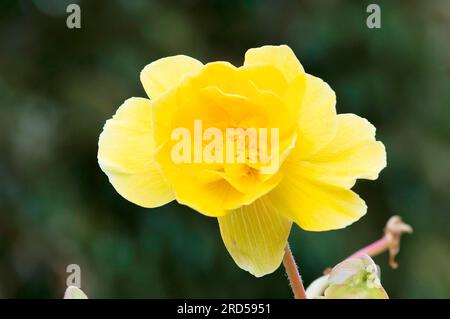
161, 75
255, 236
353, 153
314, 205
317, 118
281, 57
126, 155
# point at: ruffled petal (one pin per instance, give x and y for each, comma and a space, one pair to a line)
317, 119
353, 153
163, 74
281, 57
126, 155
314, 205
265, 78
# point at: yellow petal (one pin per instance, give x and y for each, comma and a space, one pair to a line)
222, 75
353, 153
317, 118
293, 98
265, 78
314, 205
215, 76
281, 57
255, 236
199, 188
207, 198
126, 155
165, 73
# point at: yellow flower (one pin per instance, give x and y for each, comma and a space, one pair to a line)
320, 153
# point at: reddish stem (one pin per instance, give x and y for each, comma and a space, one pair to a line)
293, 274
374, 249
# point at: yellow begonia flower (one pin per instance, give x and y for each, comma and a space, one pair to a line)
321, 153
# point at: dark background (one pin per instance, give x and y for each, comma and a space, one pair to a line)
58, 87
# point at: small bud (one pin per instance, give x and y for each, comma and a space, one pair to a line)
73, 292
355, 278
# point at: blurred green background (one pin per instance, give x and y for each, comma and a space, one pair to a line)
58, 87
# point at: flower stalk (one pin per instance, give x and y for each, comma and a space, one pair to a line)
395, 227
293, 274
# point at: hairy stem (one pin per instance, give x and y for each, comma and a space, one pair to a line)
293, 274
